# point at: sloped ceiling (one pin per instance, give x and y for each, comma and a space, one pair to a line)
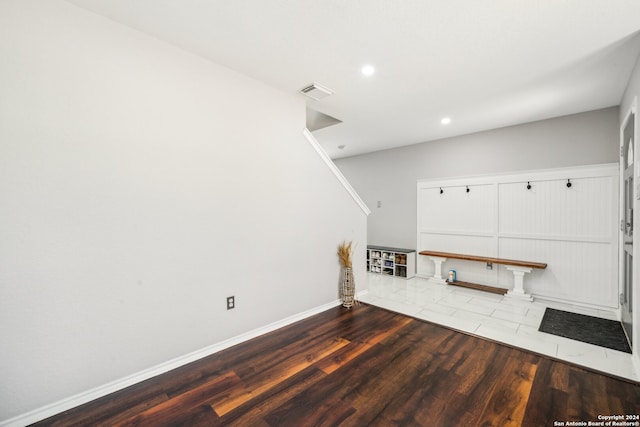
485, 64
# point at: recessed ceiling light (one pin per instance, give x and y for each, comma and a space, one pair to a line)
368, 70
445, 120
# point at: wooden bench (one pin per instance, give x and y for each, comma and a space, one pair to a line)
519, 268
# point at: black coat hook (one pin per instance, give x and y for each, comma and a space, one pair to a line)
569, 183
528, 185
468, 189
441, 190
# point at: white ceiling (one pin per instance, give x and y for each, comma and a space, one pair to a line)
486, 64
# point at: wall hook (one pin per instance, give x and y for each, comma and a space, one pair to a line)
528, 185
441, 190
569, 183
468, 189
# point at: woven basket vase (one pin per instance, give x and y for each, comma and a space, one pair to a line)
348, 290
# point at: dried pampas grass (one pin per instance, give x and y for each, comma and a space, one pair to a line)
344, 254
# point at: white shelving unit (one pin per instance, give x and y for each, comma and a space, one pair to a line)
395, 262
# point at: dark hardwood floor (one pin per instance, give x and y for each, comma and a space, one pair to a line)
364, 367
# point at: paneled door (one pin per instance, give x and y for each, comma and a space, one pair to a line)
627, 163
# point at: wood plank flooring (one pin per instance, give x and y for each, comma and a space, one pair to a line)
364, 367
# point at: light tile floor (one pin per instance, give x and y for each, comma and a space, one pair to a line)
495, 317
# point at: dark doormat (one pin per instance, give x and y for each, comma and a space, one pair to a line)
593, 330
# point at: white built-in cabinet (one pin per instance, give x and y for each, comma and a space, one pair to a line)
395, 262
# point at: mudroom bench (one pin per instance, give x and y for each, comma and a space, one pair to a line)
519, 268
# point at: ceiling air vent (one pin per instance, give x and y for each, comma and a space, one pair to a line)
316, 91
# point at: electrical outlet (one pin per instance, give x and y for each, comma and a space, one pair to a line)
231, 303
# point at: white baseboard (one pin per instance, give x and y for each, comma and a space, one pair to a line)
103, 390
361, 293
635, 357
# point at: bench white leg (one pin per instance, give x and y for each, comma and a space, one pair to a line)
518, 283
437, 261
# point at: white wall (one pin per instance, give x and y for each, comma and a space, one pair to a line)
139, 187
632, 90
390, 176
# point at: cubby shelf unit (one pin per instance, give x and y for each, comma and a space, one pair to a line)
395, 262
